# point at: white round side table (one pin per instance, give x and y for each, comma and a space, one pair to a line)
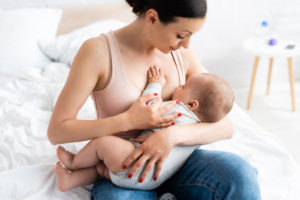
283, 48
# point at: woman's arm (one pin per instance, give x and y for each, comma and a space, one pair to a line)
201, 133
91, 66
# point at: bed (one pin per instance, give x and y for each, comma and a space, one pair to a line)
31, 77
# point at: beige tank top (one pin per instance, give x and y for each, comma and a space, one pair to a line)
120, 93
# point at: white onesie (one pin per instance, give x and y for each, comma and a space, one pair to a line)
172, 163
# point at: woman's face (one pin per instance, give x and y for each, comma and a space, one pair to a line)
174, 35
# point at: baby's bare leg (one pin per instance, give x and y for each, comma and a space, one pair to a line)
114, 151
111, 149
95, 158
86, 157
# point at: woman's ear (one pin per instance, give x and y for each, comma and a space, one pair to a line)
193, 105
151, 16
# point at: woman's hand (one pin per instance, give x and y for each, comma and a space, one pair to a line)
143, 116
154, 150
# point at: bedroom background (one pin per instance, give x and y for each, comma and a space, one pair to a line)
219, 44
219, 48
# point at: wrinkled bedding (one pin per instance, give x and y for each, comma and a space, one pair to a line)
27, 159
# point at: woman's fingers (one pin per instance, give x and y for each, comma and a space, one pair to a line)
139, 163
154, 150
158, 168
169, 106
167, 120
147, 98
167, 124
149, 164
156, 107
147, 169
157, 104
170, 118
132, 158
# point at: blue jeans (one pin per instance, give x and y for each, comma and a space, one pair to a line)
206, 175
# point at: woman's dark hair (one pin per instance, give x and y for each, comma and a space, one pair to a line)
168, 10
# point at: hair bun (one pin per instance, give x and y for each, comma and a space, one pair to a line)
168, 10
137, 5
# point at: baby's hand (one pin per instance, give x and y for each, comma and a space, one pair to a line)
155, 74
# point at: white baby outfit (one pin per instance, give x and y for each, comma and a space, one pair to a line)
172, 163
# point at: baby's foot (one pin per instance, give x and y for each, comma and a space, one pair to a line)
102, 170
62, 177
65, 157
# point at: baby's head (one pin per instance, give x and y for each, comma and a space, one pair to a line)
207, 95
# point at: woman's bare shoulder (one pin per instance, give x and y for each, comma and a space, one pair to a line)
93, 56
89, 66
191, 61
95, 50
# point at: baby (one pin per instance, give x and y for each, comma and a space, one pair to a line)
204, 98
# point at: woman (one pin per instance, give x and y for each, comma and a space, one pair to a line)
112, 67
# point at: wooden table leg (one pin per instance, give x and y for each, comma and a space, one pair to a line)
269, 75
290, 61
252, 81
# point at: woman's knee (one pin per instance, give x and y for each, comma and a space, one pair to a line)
229, 176
239, 178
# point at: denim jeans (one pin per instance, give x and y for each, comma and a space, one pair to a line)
206, 175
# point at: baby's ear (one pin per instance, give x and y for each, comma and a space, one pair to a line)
193, 105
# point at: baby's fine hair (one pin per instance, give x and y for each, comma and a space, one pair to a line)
215, 98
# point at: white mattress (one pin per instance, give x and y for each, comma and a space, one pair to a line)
27, 159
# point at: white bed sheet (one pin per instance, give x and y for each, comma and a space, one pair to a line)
27, 159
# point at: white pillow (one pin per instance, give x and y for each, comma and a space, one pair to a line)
64, 48
20, 29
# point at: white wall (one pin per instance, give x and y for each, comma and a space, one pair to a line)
51, 3
219, 43
230, 22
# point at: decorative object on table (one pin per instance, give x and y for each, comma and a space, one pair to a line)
272, 42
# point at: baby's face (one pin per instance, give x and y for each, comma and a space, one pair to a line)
184, 92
